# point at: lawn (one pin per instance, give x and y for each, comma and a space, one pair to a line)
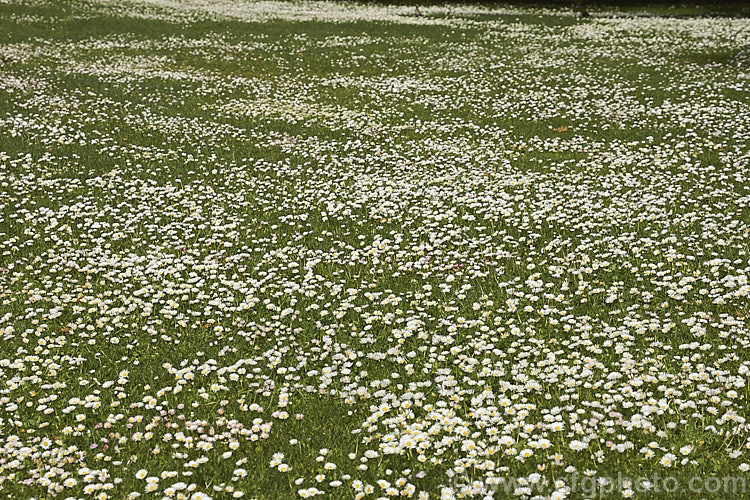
277, 250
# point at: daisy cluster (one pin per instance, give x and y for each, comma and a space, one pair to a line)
269, 250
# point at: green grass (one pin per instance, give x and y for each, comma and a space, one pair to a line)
333, 204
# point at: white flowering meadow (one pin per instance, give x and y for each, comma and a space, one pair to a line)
279, 250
